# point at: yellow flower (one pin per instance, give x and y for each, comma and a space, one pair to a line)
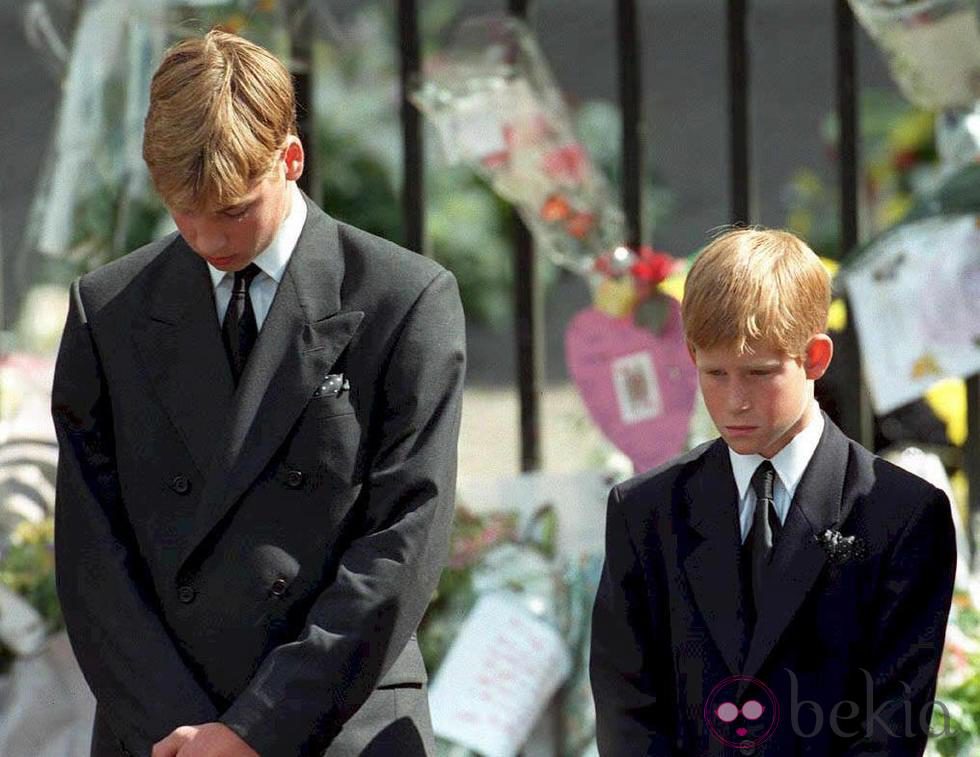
616, 297
234, 23
28, 532
912, 131
837, 315
894, 209
947, 398
674, 285
808, 183
880, 171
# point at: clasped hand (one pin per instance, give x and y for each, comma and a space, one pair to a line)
204, 740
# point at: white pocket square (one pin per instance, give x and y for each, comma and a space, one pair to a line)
333, 385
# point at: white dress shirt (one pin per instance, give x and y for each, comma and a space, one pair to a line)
789, 462
272, 261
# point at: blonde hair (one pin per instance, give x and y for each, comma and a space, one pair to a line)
756, 285
221, 108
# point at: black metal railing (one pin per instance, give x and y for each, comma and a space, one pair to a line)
854, 410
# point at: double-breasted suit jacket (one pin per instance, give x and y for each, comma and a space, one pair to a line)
860, 629
263, 555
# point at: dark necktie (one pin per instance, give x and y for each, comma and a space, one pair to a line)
239, 329
762, 536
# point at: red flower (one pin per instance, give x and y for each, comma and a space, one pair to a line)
905, 159
496, 159
580, 224
566, 164
603, 264
555, 208
652, 267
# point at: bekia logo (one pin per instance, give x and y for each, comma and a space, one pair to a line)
741, 712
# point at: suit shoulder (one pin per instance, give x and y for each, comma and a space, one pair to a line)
645, 486
105, 283
896, 494
381, 260
889, 474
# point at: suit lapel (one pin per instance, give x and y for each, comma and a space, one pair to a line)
179, 342
303, 335
711, 564
820, 502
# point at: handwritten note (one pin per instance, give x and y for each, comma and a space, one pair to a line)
497, 678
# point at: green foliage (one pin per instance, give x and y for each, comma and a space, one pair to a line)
898, 152
958, 716
27, 568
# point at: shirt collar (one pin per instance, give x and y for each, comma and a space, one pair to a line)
273, 259
789, 462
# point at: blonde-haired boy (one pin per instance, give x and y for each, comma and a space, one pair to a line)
257, 418
221, 111
779, 590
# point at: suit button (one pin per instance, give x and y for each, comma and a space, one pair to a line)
186, 594
180, 484
294, 479
279, 587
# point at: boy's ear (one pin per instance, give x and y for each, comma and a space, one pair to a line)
293, 157
819, 353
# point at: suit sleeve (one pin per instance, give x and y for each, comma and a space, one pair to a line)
304, 691
909, 633
631, 721
129, 660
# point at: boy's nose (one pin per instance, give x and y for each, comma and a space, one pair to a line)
209, 241
739, 402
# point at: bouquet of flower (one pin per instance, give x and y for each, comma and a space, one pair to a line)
494, 102
933, 47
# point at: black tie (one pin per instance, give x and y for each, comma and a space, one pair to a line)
239, 329
762, 536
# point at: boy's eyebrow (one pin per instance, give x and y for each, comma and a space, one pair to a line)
754, 365
235, 206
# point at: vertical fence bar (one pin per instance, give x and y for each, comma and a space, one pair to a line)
738, 101
846, 72
413, 186
303, 76
630, 100
528, 325
971, 462
856, 418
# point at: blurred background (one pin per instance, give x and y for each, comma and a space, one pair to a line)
700, 147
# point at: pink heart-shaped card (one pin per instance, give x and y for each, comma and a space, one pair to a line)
639, 386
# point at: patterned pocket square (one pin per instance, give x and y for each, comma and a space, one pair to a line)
333, 385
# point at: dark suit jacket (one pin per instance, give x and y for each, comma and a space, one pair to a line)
668, 624
260, 556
